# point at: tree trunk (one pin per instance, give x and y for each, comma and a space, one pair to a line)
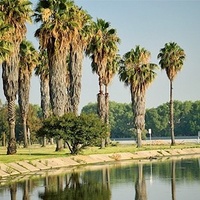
138, 107
10, 86
25, 133
57, 83
172, 115
45, 99
23, 98
12, 147
101, 111
59, 144
75, 75
107, 114
3, 139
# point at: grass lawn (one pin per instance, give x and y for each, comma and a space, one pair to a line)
36, 152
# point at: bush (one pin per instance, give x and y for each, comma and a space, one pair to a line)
77, 131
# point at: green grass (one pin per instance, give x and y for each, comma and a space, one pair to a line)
36, 152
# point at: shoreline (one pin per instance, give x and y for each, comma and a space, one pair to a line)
20, 169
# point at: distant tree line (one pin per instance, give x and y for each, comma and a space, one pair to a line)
186, 119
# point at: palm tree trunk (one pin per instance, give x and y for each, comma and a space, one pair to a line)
57, 83
25, 133
45, 100
12, 147
23, 99
138, 106
75, 75
172, 115
10, 86
107, 112
101, 111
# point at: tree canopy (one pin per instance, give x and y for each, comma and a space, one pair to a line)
77, 131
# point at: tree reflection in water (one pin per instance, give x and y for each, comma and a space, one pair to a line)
140, 184
173, 179
110, 182
78, 186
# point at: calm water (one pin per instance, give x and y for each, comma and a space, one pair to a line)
168, 180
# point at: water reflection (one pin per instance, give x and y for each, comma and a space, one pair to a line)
142, 181
77, 186
173, 179
140, 185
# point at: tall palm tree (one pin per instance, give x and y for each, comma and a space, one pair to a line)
15, 14
58, 34
54, 36
28, 61
79, 42
110, 71
102, 50
42, 70
136, 71
171, 60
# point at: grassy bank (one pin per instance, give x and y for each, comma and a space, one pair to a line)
36, 152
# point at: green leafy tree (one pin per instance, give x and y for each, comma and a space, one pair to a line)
77, 131
171, 60
120, 118
136, 71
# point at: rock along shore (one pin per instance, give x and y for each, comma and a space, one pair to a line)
20, 169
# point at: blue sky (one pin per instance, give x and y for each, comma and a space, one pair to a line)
149, 24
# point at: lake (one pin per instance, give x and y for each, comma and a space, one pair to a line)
177, 179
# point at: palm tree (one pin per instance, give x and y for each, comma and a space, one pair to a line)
58, 31
28, 60
102, 50
110, 71
15, 14
136, 71
57, 34
6, 47
79, 42
42, 70
171, 60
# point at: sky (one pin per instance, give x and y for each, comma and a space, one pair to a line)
150, 24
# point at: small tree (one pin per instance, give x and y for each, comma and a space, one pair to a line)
77, 131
